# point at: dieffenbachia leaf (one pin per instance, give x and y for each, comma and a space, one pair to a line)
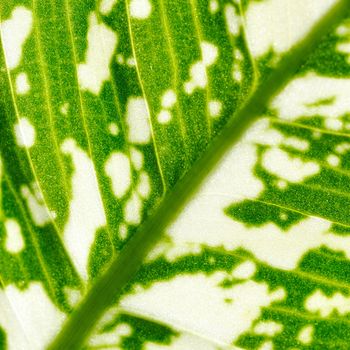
105, 105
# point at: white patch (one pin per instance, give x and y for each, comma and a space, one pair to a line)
214, 108
279, 24
72, 296
140, 9
120, 59
123, 231
110, 339
198, 72
267, 345
133, 210
325, 306
14, 242
131, 62
213, 6
24, 133
237, 73
35, 315
342, 148
296, 143
102, 43
197, 303
268, 328
144, 186
106, 6
305, 335
301, 96
244, 271
64, 108
86, 213
14, 32
292, 169
118, 169
35, 202
164, 117
113, 129
169, 99
138, 121
136, 158
343, 45
233, 20
22, 84
184, 341
333, 160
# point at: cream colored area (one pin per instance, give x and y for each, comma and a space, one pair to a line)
290, 168
198, 71
36, 205
111, 339
118, 169
139, 131
106, 6
320, 303
14, 242
86, 212
14, 33
24, 133
268, 328
233, 20
22, 84
306, 334
185, 341
133, 209
314, 95
200, 305
102, 43
140, 9
28, 317
279, 24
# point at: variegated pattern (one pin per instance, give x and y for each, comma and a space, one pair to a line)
105, 105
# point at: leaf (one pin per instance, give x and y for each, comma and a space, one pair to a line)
85, 116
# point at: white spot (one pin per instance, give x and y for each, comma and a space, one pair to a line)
198, 72
279, 24
35, 202
333, 160
120, 59
102, 43
123, 231
133, 210
233, 20
25, 133
106, 6
164, 117
14, 33
34, 313
86, 213
14, 242
313, 95
237, 73
131, 62
296, 143
342, 148
305, 335
144, 186
184, 341
22, 84
140, 9
169, 99
136, 158
267, 345
281, 184
72, 296
244, 271
113, 129
292, 169
214, 108
213, 6
64, 108
325, 306
268, 328
118, 169
197, 303
138, 121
